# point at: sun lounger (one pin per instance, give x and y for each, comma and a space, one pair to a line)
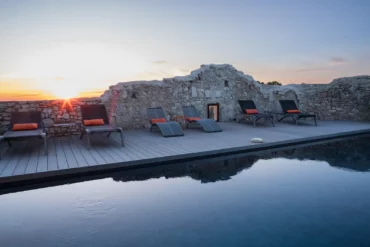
249, 111
25, 125
290, 109
95, 120
158, 119
192, 116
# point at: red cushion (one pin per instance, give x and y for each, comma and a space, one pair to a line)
193, 118
94, 122
293, 111
25, 126
158, 120
251, 111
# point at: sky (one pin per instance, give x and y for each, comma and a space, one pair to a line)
56, 49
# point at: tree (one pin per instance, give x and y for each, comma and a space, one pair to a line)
276, 83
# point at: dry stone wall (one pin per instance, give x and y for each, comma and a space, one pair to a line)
343, 99
127, 102
51, 110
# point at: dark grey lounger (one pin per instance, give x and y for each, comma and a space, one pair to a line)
290, 105
97, 112
168, 129
26, 117
208, 125
249, 104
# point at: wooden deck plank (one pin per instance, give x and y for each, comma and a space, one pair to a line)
148, 152
114, 155
71, 160
23, 161
42, 163
13, 162
52, 161
33, 160
6, 159
95, 155
153, 148
61, 157
83, 156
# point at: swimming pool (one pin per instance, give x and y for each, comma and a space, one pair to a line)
311, 196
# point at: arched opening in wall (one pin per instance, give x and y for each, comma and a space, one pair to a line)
213, 111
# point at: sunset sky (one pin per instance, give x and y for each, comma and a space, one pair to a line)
66, 48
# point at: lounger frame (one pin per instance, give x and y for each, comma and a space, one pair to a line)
249, 104
26, 117
291, 105
167, 128
207, 124
97, 111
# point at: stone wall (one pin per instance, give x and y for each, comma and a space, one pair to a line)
343, 99
52, 111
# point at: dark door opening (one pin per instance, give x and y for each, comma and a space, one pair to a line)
213, 111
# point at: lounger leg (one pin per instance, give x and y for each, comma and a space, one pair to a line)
108, 135
9, 143
88, 140
45, 144
254, 122
272, 120
122, 139
314, 119
82, 134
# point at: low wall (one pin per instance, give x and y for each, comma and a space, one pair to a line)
52, 110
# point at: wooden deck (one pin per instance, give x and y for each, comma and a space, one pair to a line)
26, 160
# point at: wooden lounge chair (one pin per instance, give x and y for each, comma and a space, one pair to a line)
290, 109
157, 118
25, 125
192, 116
249, 111
95, 120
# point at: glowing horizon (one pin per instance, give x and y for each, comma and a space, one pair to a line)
47, 54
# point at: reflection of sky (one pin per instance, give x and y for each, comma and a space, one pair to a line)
275, 201
92, 44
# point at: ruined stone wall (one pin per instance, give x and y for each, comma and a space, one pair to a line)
127, 102
343, 99
51, 111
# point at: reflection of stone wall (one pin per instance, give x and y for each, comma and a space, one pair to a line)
51, 111
350, 155
204, 171
345, 98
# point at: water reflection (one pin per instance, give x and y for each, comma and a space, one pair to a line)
352, 155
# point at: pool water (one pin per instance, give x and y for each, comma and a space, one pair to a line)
312, 196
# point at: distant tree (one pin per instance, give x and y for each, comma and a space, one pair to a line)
276, 83
260, 82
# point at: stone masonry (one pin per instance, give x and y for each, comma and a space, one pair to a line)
126, 102
51, 111
343, 99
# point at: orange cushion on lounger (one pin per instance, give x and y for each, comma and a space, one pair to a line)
193, 118
25, 126
94, 122
293, 111
158, 120
251, 111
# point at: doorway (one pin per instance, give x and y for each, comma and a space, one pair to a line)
213, 111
